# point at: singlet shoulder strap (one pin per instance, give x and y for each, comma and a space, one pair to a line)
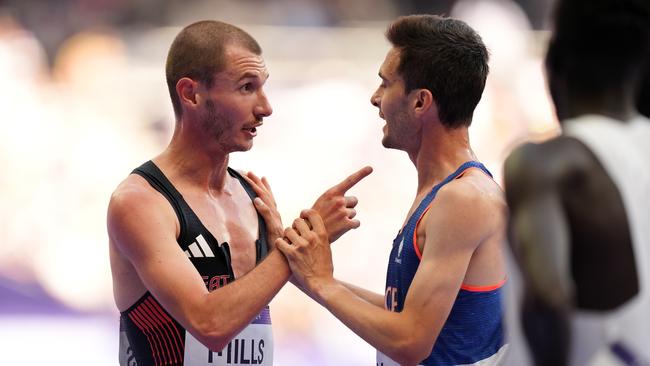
426, 201
261, 242
152, 174
157, 179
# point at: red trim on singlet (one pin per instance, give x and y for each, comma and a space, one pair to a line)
483, 288
164, 348
170, 320
170, 354
143, 328
169, 323
156, 337
419, 254
417, 223
415, 232
162, 332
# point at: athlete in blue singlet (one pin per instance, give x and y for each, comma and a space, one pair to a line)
441, 304
475, 318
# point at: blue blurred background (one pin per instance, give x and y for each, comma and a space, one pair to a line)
84, 101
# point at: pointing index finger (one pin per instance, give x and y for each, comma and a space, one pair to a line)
350, 181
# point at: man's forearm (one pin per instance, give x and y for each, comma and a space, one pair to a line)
232, 307
389, 332
371, 297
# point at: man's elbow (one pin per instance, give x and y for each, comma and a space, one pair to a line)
215, 335
412, 352
406, 359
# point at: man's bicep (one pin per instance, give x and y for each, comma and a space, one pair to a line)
447, 252
538, 228
139, 226
431, 295
145, 235
540, 240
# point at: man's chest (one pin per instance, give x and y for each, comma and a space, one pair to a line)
234, 222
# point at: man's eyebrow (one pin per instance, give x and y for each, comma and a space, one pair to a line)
254, 75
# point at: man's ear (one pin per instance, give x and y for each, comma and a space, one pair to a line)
187, 90
423, 102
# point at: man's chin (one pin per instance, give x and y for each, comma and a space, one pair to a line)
387, 143
247, 145
240, 148
243, 148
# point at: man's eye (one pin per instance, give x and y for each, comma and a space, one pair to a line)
247, 87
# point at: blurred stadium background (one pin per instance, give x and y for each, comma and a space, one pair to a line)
84, 101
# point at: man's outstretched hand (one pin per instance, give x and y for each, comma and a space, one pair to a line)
337, 209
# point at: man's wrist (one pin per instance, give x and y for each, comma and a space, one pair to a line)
323, 290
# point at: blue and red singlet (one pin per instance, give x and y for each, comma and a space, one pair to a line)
473, 331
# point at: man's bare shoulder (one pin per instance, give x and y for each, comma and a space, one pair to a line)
472, 201
136, 205
134, 193
476, 190
543, 165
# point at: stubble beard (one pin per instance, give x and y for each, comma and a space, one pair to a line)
215, 125
397, 135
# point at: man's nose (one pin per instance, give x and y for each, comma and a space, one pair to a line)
264, 108
374, 99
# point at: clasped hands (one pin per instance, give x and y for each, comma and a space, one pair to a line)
306, 244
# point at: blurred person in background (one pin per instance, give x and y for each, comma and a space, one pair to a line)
183, 226
442, 303
580, 214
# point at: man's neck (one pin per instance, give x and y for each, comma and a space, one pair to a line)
619, 105
188, 163
441, 152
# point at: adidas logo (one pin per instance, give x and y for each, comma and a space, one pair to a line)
200, 250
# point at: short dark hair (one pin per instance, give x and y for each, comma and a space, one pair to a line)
198, 53
445, 56
599, 44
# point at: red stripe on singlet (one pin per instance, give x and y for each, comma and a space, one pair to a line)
144, 329
156, 326
417, 223
169, 320
174, 350
415, 232
154, 334
484, 288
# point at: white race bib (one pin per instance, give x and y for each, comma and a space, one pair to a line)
252, 346
383, 360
